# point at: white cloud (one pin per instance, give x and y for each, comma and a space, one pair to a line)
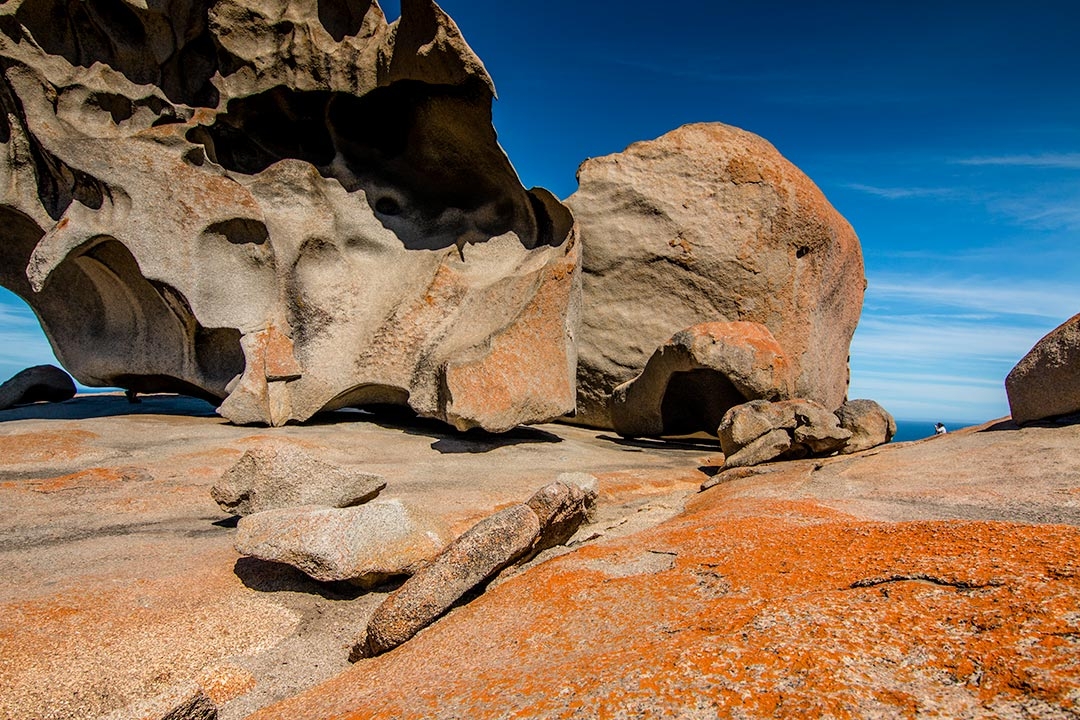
901, 193
1061, 161
1052, 301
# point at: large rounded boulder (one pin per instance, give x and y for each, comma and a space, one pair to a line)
710, 223
1045, 384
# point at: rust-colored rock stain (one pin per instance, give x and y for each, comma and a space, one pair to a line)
751, 608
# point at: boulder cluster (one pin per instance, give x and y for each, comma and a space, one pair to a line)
326, 521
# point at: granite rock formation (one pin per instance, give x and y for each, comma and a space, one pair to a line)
284, 475
366, 545
281, 207
711, 223
759, 431
514, 534
697, 376
41, 383
870, 425
1046, 382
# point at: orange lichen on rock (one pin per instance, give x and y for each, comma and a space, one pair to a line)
755, 608
37, 447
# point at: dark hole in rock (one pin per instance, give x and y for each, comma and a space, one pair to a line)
240, 231
387, 206
342, 19
118, 106
802, 252
696, 400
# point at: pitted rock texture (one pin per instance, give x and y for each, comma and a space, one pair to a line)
869, 423
365, 545
283, 475
1046, 382
711, 223
41, 383
280, 207
697, 376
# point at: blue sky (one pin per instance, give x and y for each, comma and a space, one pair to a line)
948, 134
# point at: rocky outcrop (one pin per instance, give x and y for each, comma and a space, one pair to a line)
41, 383
284, 475
1046, 382
760, 431
870, 425
365, 545
697, 375
711, 223
281, 207
516, 533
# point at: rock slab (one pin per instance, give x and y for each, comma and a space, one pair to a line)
365, 545
284, 475
513, 534
1046, 382
41, 383
710, 223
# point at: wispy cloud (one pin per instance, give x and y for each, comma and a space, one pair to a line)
901, 193
1052, 301
1061, 161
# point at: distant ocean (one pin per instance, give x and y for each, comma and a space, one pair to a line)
918, 429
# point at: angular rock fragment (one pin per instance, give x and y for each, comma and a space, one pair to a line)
511, 535
708, 223
185, 702
760, 431
869, 423
41, 383
697, 375
1046, 382
365, 545
283, 208
282, 475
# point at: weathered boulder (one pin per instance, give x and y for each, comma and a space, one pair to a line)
281, 207
697, 375
365, 545
1046, 382
760, 431
869, 423
513, 534
709, 223
284, 475
41, 383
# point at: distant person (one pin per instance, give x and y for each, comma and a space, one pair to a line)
939, 429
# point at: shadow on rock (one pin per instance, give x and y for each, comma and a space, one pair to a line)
707, 444
272, 577
86, 407
478, 441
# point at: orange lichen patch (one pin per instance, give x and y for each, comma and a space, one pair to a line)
44, 446
762, 610
625, 484
90, 479
226, 682
124, 639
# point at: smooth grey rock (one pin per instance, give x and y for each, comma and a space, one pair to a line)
697, 375
283, 475
281, 207
41, 383
745, 423
482, 551
869, 423
709, 223
1045, 383
818, 429
365, 544
768, 447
